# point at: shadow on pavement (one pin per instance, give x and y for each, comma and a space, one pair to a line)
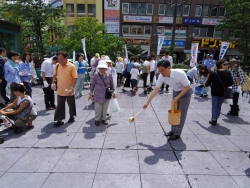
235, 119
247, 171
213, 130
90, 132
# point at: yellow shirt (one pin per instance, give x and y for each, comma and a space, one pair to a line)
65, 76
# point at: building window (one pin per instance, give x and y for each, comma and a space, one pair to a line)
141, 8
214, 11
182, 32
133, 8
168, 31
206, 10
170, 10
150, 8
217, 33
186, 9
160, 30
91, 10
136, 29
70, 10
200, 32
178, 10
125, 8
125, 29
80, 10
198, 10
222, 11
147, 30
162, 8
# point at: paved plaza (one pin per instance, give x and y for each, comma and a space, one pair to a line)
129, 155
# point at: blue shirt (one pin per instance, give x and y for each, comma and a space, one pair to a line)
130, 65
81, 67
25, 71
11, 72
206, 62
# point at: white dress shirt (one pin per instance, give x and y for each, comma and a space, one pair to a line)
169, 58
48, 68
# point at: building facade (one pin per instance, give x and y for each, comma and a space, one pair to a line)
142, 21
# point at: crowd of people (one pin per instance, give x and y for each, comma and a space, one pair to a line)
67, 79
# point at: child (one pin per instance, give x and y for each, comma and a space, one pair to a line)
24, 109
134, 77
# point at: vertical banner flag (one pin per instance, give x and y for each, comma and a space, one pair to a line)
194, 54
126, 51
160, 43
84, 49
223, 49
74, 56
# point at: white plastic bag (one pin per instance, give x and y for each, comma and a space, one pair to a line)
148, 80
154, 80
228, 101
113, 106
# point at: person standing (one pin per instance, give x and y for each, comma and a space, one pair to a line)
119, 69
212, 62
206, 62
169, 58
134, 77
146, 72
202, 79
3, 82
152, 71
66, 80
81, 66
129, 66
182, 92
47, 68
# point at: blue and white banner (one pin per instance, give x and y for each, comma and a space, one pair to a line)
194, 54
223, 49
126, 51
160, 43
84, 49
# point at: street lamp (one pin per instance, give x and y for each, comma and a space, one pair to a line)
174, 5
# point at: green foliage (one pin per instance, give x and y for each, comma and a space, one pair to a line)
171, 52
180, 66
97, 39
134, 50
237, 19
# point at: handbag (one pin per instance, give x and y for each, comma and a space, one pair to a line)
25, 114
228, 92
108, 92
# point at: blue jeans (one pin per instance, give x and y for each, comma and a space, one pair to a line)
28, 87
216, 107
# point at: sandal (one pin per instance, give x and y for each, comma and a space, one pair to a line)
50, 108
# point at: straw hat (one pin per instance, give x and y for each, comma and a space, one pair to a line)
120, 59
232, 62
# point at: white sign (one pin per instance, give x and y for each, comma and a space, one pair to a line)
194, 54
84, 49
137, 18
126, 51
166, 19
112, 4
160, 43
210, 21
223, 49
112, 27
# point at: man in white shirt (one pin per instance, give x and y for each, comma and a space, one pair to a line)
169, 58
193, 73
47, 69
125, 62
182, 92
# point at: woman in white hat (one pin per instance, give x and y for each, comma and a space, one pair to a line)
100, 83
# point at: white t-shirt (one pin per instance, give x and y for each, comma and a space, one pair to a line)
27, 97
152, 65
92, 61
177, 80
169, 58
48, 68
134, 73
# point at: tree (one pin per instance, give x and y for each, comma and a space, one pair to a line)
237, 19
38, 22
96, 36
134, 50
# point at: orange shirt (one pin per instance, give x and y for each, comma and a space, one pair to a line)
65, 76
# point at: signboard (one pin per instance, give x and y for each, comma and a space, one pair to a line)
211, 43
112, 27
192, 21
112, 5
127, 18
178, 43
210, 21
137, 41
160, 19
112, 15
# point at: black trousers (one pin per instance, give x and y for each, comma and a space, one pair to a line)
119, 78
3, 90
144, 78
60, 110
235, 106
49, 95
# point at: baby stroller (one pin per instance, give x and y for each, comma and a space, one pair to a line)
16, 129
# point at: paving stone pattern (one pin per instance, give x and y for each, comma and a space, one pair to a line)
129, 155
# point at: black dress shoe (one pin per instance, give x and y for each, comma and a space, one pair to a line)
105, 122
213, 122
71, 120
58, 123
174, 137
169, 133
97, 123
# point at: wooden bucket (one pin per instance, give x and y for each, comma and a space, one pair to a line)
174, 115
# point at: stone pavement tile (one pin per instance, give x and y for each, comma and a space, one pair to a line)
208, 181
167, 128
8, 157
121, 128
53, 140
118, 161
203, 112
146, 118
158, 162
125, 105
152, 142
217, 143
78, 160
148, 127
242, 181
241, 141
25, 139
1, 173
48, 117
90, 127
148, 111
27, 180
70, 180
37, 160
121, 118
42, 126
88, 140
117, 180
195, 162
120, 141
80, 116
243, 120
162, 117
153, 180
187, 142
244, 127
203, 128
67, 127
194, 119
235, 163
233, 129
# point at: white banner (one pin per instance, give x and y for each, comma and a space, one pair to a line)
84, 49
126, 51
194, 54
160, 43
74, 56
223, 49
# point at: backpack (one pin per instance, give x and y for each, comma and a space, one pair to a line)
25, 114
246, 85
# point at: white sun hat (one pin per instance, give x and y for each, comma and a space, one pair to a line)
102, 64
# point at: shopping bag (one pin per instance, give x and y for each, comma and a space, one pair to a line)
114, 105
154, 80
240, 94
148, 80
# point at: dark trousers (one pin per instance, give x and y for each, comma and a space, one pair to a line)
128, 80
28, 87
119, 78
49, 94
144, 78
190, 80
60, 110
3, 90
235, 106
12, 95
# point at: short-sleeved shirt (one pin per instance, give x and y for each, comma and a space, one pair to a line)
169, 58
177, 80
65, 78
152, 65
134, 73
47, 68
